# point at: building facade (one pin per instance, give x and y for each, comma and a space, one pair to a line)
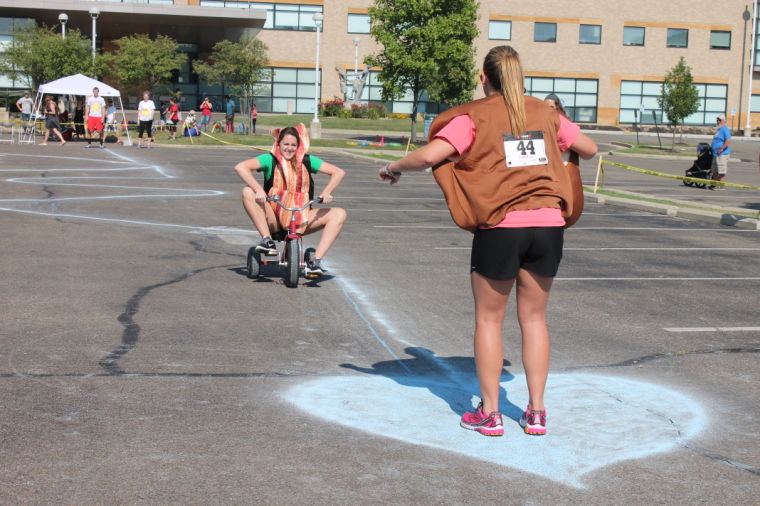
606, 60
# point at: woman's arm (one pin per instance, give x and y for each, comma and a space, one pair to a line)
431, 154
245, 171
584, 146
336, 176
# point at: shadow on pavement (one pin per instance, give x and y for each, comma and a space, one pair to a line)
452, 379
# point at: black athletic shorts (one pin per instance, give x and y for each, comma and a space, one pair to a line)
499, 253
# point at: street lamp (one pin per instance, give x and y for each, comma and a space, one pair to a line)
63, 19
356, 55
316, 127
94, 13
748, 127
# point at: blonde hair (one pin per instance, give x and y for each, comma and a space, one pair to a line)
504, 72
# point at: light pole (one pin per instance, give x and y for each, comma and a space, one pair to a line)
356, 55
94, 13
748, 127
316, 127
63, 19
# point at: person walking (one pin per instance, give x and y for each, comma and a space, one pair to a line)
94, 110
229, 117
52, 126
721, 151
509, 186
207, 109
146, 111
254, 115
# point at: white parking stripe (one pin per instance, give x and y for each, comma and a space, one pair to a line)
712, 329
712, 278
628, 249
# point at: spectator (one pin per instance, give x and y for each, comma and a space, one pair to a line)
254, 115
24, 105
94, 110
146, 110
721, 151
229, 116
79, 118
51, 121
207, 109
172, 117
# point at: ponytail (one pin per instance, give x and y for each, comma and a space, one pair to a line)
504, 72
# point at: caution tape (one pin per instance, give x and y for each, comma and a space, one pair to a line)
673, 176
234, 143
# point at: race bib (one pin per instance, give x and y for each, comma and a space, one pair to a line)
527, 149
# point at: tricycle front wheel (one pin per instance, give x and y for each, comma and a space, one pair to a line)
294, 262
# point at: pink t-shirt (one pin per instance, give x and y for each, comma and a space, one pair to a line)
460, 133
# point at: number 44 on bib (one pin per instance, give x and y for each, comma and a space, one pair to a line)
527, 149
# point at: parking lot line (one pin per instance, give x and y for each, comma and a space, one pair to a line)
712, 329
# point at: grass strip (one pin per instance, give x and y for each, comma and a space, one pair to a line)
613, 193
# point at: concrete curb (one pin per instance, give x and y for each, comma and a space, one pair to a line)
724, 217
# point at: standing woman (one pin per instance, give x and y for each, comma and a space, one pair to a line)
51, 121
508, 185
172, 118
254, 115
79, 117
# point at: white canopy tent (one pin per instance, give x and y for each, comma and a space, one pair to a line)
77, 84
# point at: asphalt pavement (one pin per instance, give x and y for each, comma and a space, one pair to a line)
140, 365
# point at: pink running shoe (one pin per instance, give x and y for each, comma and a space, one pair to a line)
534, 422
488, 425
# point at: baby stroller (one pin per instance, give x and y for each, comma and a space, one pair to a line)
702, 167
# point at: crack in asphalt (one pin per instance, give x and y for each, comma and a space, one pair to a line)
131, 334
663, 356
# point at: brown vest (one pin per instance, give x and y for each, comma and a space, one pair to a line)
480, 189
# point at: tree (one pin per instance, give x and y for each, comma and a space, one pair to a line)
237, 65
140, 60
426, 45
679, 97
39, 55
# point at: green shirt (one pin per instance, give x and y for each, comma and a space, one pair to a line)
267, 162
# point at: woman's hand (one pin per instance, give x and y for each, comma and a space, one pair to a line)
386, 174
326, 198
259, 196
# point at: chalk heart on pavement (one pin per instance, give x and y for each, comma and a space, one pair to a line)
593, 420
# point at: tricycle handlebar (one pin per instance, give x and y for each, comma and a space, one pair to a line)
276, 199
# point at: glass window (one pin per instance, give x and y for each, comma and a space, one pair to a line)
285, 19
590, 34
282, 16
755, 103
720, 39
712, 102
545, 32
285, 75
579, 96
358, 23
678, 37
284, 86
633, 35
6, 26
500, 30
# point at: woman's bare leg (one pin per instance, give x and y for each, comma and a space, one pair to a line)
260, 213
532, 300
331, 220
490, 306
